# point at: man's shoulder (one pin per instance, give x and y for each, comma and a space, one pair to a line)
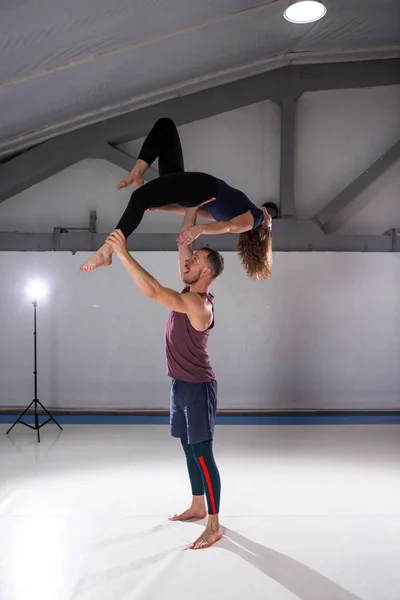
198, 295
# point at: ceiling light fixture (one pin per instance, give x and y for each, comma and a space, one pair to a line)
304, 11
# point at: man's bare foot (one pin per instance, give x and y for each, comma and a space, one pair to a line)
197, 510
102, 258
209, 536
191, 513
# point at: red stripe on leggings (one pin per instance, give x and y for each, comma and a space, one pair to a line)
210, 490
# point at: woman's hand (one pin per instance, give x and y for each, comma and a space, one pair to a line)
267, 221
189, 234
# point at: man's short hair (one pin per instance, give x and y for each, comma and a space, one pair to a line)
215, 261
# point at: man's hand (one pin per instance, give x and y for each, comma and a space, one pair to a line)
189, 234
118, 242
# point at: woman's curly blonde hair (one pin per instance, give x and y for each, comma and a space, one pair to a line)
255, 251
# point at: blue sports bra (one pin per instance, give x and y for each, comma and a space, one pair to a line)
230, 203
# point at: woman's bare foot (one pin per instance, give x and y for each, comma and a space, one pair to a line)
130, 181
102, 258
135, 177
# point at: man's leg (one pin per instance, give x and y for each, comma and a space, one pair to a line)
203, 453
197, 509
200, 406
178, 429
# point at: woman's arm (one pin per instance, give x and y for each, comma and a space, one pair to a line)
175, 209
238, 224
186, 252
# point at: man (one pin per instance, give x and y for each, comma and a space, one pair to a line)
194, 387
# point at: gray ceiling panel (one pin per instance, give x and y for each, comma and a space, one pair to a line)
67, 63
89, 87
44, 34
355, 24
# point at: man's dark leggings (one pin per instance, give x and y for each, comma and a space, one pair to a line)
203, 473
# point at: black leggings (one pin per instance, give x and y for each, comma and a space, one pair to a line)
174, 186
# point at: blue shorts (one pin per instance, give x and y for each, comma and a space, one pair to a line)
192, 410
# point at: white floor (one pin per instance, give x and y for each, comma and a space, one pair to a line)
310, 512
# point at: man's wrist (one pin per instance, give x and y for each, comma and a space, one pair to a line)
123, 254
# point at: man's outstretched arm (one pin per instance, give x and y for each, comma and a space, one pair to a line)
191, 304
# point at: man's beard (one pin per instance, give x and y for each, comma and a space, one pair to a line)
191, 280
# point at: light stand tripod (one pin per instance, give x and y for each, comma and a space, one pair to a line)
35, 402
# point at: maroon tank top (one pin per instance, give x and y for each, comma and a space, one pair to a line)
186, 348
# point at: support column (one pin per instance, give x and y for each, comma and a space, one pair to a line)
288, 113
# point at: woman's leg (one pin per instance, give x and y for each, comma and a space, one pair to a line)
175, 209
163, 143
185, 189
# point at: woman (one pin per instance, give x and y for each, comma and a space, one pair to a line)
230, 209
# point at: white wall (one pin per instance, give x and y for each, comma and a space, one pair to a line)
338, 135
241, 146
323, 333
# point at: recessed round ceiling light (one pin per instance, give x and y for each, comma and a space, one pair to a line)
304, 11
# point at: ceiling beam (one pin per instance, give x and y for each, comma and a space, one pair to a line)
38, 163
386, 74
330, 217
288, 115
288, 236
112, 155
43, 161
287, 82
121, 159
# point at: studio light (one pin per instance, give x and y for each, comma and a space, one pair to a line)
36, 290
304, 11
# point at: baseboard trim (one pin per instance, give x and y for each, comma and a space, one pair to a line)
223, 417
